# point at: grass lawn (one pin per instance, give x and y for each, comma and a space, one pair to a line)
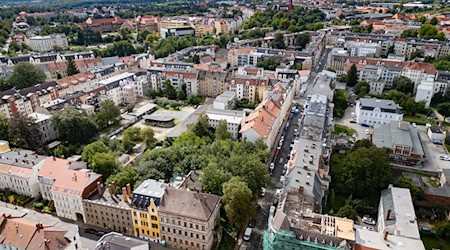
343, 129
432, 242
227, 242
419, 119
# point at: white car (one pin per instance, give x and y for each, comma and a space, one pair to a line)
444, 157
282, 179
263, 192
366, 219
247, 234
272, 166
367, 132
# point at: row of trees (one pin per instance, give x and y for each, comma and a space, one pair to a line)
426, 31
297, 20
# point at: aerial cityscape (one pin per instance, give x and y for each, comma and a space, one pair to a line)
224, 125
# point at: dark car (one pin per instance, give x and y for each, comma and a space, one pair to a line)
365, 125
100, 233
252, 223
90, 231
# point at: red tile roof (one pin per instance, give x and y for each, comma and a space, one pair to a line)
75, 79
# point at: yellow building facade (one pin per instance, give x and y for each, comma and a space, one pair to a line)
145, 204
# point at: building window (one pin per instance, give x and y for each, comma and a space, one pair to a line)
154, 225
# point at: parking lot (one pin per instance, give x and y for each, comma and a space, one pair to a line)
360, 130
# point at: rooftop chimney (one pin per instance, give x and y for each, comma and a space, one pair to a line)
129, 189
110, 190
385, 234
125, 195
99, 188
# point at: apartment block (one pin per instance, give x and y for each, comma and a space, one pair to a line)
188, 218
51, 42
373, 111
109, 210
67, 183
19, 170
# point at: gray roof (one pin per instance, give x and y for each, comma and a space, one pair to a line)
21, 158
388, 135
402, 220
384, 105
116, 241
151, 188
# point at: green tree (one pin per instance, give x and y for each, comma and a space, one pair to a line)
181, 95
278, 41
72, 68
403, 84
122, 48
352, 76
347, 211
340, 102
26, 75
367, 171
23, 133
222, 131
416, 192
301, 40
433, 21
443, 229
74, 126
132, 134
362, 89
213, 177
108, 114
408, 33
429, 31
364, 143
126, 175
201, 128
196, 59
93, 148
169, 91
152, 37
148, 136
268, 63
444, 109
237, 200
105, 164
4, 127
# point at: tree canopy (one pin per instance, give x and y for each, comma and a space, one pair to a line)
403, 84
362, 89
25, 75
72, 68
278, 41
237, 200
23, 133
340, 102
429, 31
108, 114
74, 126
352, 76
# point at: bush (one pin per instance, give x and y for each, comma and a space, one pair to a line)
38, 205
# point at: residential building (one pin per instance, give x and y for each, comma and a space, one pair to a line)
188, 218
249, 87
419, 72
307, 169
425, 92
397, 226
113, 240
233, 118
22, 229
436, 134
226, 100
145, 204
403, 141
52, 42
19, 171
180, 77
442, 82
47, 132
373, 111
211, 83
363, 49
103, 24
125, 87
266, 120
178, 32
67, 183
109, 210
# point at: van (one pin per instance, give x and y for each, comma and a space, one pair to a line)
247, 234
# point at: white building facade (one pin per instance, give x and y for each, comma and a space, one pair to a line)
373, 111
48, 43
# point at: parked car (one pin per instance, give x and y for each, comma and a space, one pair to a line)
426, 229
90, 231
365, 125
263, 192
283, 172
272, 209
100, 233
252, 223
248, 234
367, 132
368, 228
352, 121
272, 166
444, 157
282, 179
368, 220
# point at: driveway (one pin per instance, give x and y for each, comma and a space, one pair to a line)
360, 130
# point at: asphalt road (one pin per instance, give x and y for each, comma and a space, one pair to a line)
265, 202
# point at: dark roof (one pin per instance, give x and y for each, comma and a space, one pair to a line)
189, 203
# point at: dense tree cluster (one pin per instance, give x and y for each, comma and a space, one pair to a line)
403, 84
24, 75
269, 63
297, 20
406, 101
19, 131
340, 100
